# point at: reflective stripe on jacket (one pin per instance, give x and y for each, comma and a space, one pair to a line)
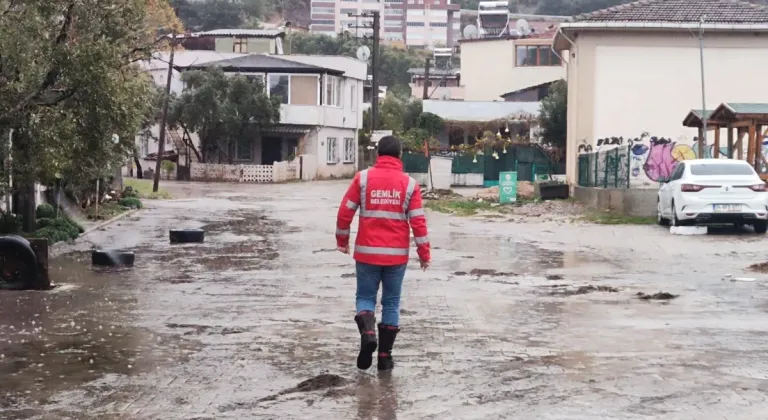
389, 201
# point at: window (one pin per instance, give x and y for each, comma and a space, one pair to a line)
393, 12
323, 22
722, 169
533, 56
394, 36
332, 151
349, 1
333, 91
244, 149
415, 23
393, 23
438, 24
326, 10
346, 12
353, 97
678, 172
240, 45
393, 1
279, 85
349, 150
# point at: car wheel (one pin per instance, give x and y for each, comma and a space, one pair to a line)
187, 236
661, 220
675, 220
761, 227
112, 258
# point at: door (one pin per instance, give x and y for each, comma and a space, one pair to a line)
271, 150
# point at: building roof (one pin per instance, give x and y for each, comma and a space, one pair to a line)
186, 58
696, 116
479, 111
265, 63
248, 33
680, 11
528, 88
731, 111
434, 72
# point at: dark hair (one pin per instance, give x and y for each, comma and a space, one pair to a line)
390, 146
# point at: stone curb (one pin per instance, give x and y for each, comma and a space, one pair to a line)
97, 227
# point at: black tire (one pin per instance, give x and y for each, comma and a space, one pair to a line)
18, 263
761, 227
661, 220
187, 236
112, 258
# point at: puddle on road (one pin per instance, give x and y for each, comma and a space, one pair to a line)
522, 258
53, 341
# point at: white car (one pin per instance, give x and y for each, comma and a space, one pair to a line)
713, 191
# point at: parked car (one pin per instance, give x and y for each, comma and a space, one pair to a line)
713, 191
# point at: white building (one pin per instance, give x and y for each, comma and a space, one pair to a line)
411, 23
321, 109
635, 69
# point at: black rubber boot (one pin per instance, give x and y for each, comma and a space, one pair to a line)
387, 335
366, 324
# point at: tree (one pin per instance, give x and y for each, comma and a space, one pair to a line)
67, 86
225, 111
553, 117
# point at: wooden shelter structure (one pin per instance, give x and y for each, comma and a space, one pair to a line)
741, 120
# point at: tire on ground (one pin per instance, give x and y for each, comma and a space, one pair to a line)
761, 227
112, 258
187, 236
18, 263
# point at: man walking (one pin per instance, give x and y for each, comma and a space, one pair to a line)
389, 200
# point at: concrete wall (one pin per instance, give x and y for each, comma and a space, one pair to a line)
623, 83
316, 142
488, 69
630, 202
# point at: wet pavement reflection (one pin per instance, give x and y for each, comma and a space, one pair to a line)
525, 321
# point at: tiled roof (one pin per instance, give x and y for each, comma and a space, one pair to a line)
262, 62
744, 108
259, 33
681, 11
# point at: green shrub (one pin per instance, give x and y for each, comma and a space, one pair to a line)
10, 224
69, 228
130, 202
129, 192
45, 211
52, 234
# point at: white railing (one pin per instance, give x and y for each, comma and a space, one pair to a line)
252, 174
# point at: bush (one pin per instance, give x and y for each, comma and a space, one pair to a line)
129, 192
67, 227
45, 211
130, 202
10, 224
52, 234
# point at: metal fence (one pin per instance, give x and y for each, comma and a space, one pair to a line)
605, 169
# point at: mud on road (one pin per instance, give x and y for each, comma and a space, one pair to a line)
523, 320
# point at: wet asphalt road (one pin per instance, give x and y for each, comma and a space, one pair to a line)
227, 329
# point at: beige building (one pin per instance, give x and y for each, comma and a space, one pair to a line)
492, 67
635, 69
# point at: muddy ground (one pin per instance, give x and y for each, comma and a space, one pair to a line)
523, 320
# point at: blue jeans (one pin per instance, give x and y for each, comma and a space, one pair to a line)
368, 278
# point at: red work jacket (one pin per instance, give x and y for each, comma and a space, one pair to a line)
389, 200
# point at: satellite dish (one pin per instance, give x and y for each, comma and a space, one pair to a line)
523, 27
470, 32
363, 53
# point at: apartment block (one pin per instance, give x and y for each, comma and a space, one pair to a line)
404, 23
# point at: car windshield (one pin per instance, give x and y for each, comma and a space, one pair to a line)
721, 169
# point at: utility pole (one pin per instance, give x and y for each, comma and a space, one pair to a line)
703, 139
376, 26
164, 118
425, 96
